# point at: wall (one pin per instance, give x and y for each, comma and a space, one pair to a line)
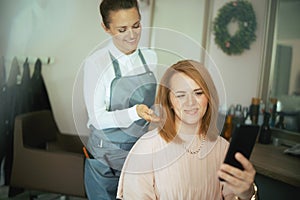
177, 34
64, 30
241, 73
69, 30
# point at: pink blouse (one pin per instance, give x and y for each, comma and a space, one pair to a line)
155, 169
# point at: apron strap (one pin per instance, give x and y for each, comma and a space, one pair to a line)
115, 62
117, 70
144, 61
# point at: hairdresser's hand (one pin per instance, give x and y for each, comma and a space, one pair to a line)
146, 113
239, 182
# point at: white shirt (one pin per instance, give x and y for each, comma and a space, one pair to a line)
98, 75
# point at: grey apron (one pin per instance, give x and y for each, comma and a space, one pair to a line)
111, 146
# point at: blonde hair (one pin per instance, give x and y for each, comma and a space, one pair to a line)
197, 72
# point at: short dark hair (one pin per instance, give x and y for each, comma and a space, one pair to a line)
107, 6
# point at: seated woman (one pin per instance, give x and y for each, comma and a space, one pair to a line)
182, 158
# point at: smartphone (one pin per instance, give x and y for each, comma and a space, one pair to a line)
242, 140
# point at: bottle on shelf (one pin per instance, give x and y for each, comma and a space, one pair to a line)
273, 111
245, 112
260, 119
265, 131
231, 110
254, 110
280, 124
238, 115
228, 127
248, 120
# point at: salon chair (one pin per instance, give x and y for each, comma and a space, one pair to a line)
45, 159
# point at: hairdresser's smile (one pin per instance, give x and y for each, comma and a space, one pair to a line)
125, 27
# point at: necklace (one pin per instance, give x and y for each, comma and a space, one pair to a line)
190, 151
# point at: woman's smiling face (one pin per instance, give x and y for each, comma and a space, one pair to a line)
125, 27
187, 99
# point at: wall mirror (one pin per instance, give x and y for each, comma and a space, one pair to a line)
281, 76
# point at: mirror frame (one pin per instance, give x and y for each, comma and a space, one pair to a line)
269, 54
269, 48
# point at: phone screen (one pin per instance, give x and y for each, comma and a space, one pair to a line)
242, 140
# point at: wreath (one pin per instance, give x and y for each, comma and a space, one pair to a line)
239, 11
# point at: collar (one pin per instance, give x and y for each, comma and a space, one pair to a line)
120, 56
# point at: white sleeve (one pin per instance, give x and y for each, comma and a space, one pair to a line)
95, 94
